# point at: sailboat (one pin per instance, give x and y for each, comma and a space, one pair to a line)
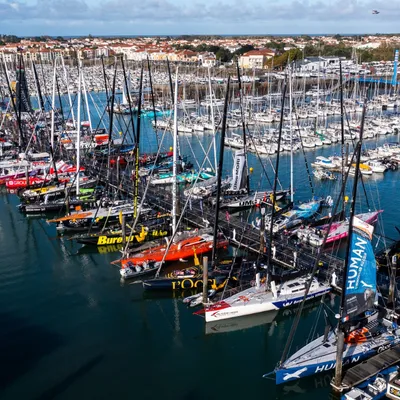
338, 230
259, 298
367, 331
363, 328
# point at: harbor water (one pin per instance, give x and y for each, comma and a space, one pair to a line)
71, 330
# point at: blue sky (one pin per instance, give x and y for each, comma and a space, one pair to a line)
168, 17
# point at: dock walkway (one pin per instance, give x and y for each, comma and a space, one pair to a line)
369, 368
241, 233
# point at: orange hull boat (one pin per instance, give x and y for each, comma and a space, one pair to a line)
181, 250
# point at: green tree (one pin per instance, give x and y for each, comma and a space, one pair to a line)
224, 55
244, 49
282, 60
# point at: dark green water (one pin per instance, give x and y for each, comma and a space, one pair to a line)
69, 330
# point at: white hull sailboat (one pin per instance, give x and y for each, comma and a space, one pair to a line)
259, 299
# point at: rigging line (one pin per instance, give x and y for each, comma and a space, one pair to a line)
313, 272
180, 219
258, 156
131, 233
303, 151
204, 151
152, 99
352, 140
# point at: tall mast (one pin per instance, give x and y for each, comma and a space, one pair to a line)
212, 119
136, 194
86, 102
243, 123
342, 127
68, 91
78, 133
175, 153
271, 227
291, 132
53, 104
219, 175
111, 108
340, 331
152, 99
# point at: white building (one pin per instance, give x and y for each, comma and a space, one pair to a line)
321, 64
207, 59
255, 58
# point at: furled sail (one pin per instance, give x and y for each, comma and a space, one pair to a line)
360, 285
239, 174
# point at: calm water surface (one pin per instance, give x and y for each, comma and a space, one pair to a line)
70, 330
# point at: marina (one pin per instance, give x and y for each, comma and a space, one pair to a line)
130, 222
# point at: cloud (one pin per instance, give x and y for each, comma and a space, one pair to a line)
207, 13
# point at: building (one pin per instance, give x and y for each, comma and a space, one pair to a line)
255, 58
315, 64
207, 59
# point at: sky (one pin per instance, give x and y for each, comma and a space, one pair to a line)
175, 17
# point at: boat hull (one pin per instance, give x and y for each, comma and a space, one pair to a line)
326, 362
223, 310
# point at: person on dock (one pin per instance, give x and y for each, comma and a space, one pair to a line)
273, 251
294, 258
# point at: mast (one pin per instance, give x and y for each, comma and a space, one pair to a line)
68, 91
38, 91
136, 194
342, 127
212, 119
53, 103
291, 132
271, 227
340, 330
243, 124
175, 153
105, 78
219, 174
111, 108
12, 98
170, 80
86, 102
152, 98
78, 137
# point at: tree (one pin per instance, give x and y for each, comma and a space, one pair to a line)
282, 60
224, 55
278, 46
244, 49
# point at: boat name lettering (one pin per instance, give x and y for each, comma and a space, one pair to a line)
109, 249
190, 283
237, 166
383, 347
357, 258
327, 367
102, 240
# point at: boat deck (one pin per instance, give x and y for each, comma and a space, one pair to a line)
241, 233
369, 368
